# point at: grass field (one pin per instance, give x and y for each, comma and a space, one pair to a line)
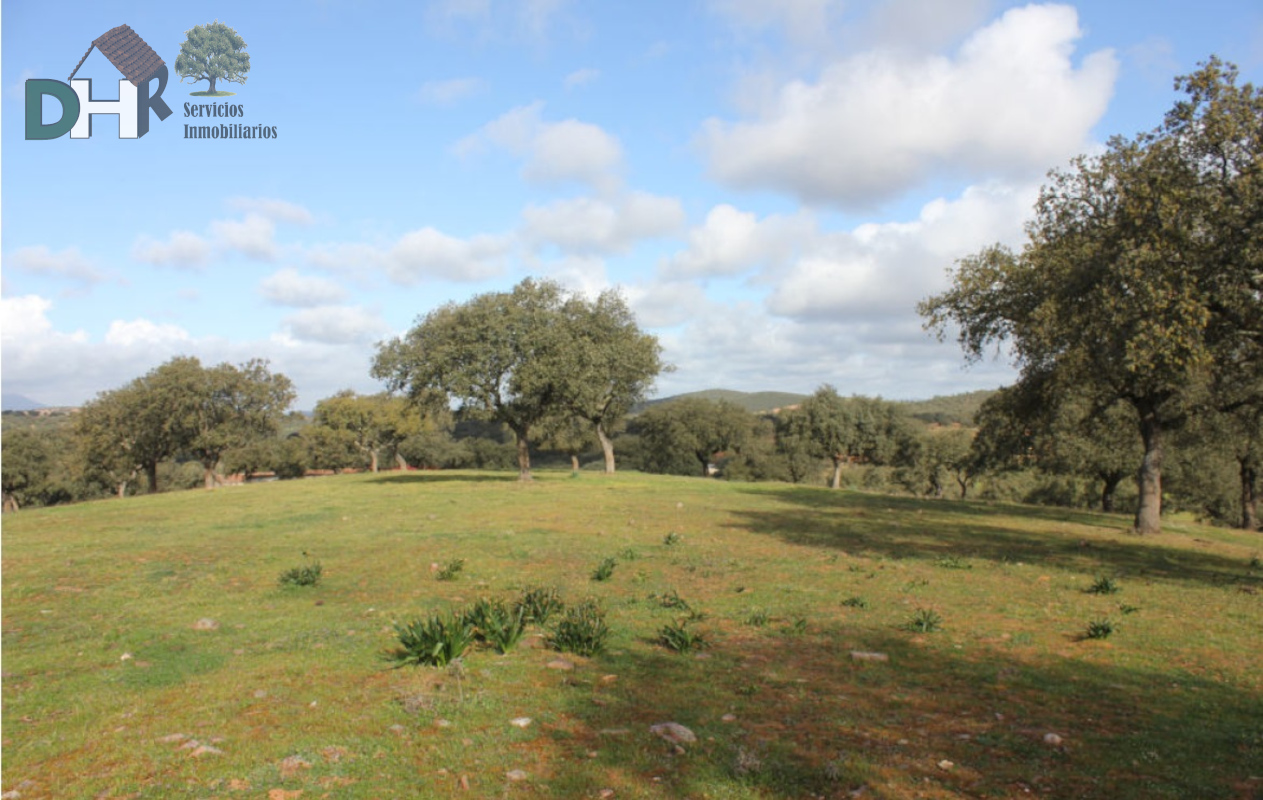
111, 690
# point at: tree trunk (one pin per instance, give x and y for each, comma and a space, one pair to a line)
574, 462
1149, 478
401, 461
10, 503
372, 456
836, 482
121, 492
1107, 491
208, 474
963, 482
523, 453
607, 447
151, 473
705, 459
212, 84
1249, 499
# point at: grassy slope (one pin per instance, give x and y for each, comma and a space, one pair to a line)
1169, 706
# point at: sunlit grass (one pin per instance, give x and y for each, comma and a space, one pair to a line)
104, 664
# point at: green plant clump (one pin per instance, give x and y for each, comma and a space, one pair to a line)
758, 617
434, 642
497, 624
1104, 585
1099, 629
855, 602
539, 603
582, 630
306, 575
672, 539
671, 599
451, 570
677, 636
604, 570
924, 620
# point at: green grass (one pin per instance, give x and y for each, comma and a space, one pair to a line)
103, 665
205, 93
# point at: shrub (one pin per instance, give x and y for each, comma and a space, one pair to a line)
672, 539
677, 636
539, 603
952, 562
496, 624
924, 620
306, 575
581, 630
449, 572
604, 570
434, 642
855, 602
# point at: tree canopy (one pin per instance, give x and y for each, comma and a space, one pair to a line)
1142, 272
213, 52
524, 356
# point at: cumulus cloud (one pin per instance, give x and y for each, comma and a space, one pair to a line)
182, 249
879, 271
430, 253
336, 325
68, 264
1009, 103
731, 242
804, 22
554, 152
446, 92
253, 236
290, 288
143, 333
586, 225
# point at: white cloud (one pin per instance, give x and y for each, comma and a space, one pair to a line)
336, 325
581, 77
1010, 103
446, 92
587, 225
272, 209
252, 236
182, 249
68, 264
880, 271
555, 152
143, 333
731, 242
429, 253
289, 288
923, 24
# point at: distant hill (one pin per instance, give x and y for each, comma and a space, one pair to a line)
942, 410
18, 402
753, 402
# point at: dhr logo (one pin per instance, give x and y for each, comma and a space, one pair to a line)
139, 65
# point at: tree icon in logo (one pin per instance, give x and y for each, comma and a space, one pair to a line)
213, 52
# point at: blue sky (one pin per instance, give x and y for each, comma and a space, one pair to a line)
773, 185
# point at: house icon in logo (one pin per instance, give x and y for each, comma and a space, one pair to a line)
131, 56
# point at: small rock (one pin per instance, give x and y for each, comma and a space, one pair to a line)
442, 723
521, 722
12, 794
206, 624
673, 732
861, 655
204, 750
561, 664
1052, 739
606, 794
729, 718
126, 657
945, 765
397, 729
608, 679
515, 775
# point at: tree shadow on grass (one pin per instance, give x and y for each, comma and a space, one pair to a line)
786, 716
895, 527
